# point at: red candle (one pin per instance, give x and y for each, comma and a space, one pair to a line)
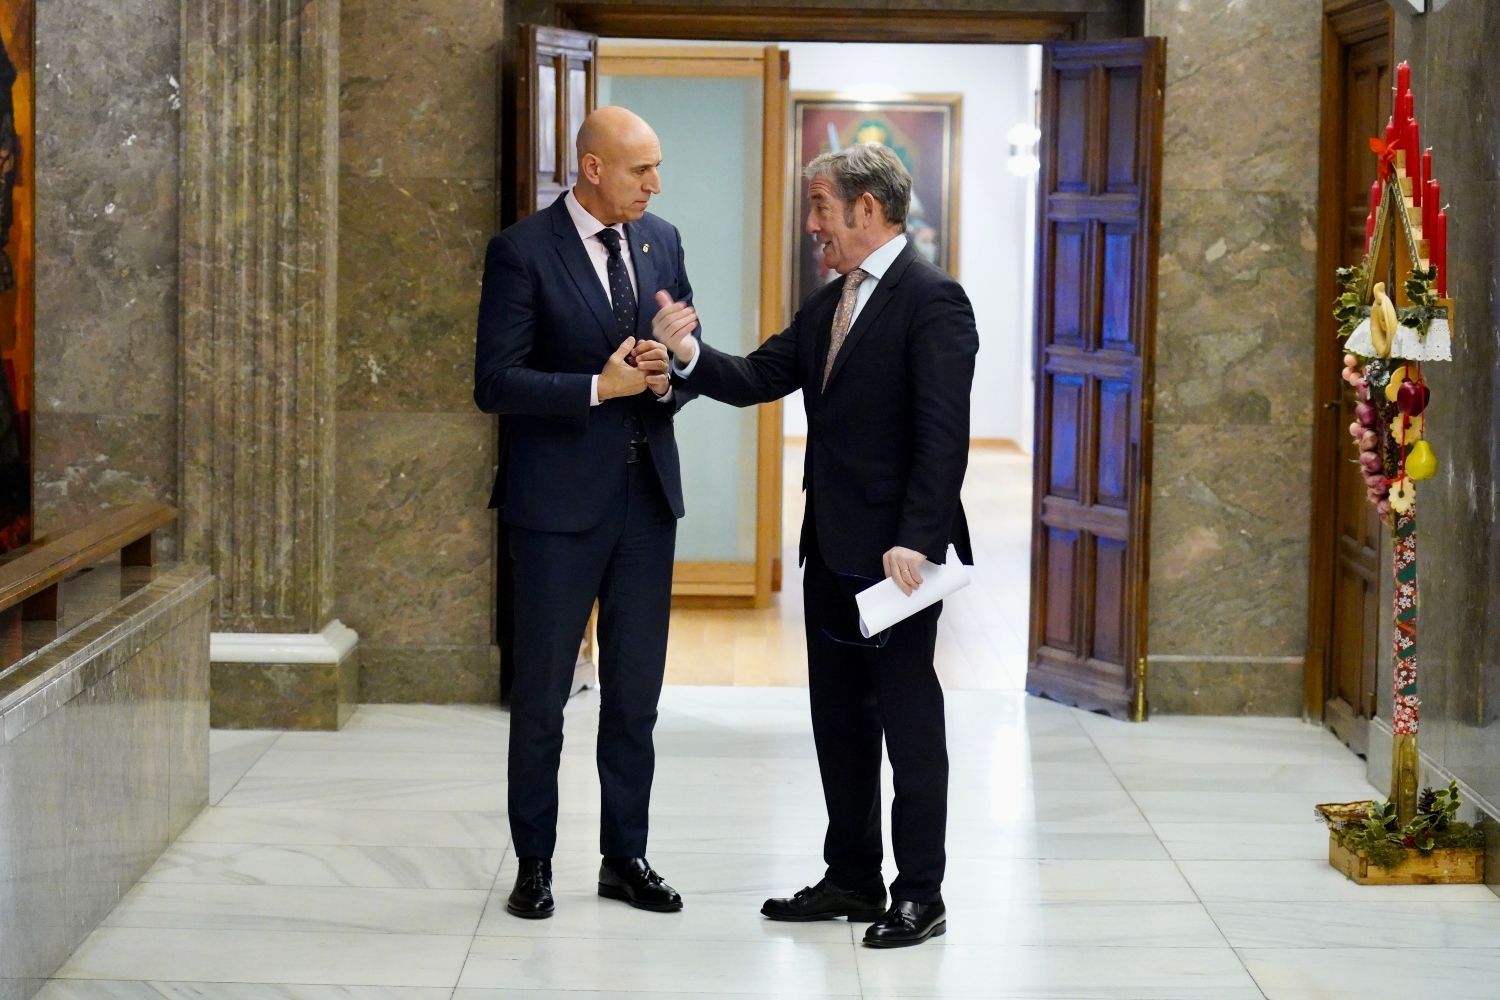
1429, 211
1440, 252
1369, 230
1390, 131
1375, 192
1403, 78
1413, 144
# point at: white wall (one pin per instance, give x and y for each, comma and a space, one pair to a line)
996, 227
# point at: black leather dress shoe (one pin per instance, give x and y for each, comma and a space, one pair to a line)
826, 901
532, 896
633, 880
907, 923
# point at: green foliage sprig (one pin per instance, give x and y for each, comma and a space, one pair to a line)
1420, 285
1379, 837
1352, 304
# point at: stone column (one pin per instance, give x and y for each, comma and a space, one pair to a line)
259, 252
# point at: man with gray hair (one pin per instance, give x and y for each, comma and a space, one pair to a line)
885, 360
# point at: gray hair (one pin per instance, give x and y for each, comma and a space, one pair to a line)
866, 167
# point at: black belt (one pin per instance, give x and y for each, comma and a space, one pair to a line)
637, 452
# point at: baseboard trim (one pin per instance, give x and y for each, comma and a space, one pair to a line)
328, 646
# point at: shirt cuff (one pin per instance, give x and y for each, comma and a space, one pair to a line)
665, 397
684, 371
594, 390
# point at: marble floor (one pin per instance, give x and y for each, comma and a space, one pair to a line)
1088, 859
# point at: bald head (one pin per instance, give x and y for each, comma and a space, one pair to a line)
606, 128
618, 156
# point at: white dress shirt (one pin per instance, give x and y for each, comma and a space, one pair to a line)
589, 229
875, 265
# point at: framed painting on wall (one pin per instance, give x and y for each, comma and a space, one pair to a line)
923, 130
17, 268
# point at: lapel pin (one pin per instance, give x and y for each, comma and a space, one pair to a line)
645, 248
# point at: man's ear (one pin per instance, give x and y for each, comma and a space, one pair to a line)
871, 206
588, 167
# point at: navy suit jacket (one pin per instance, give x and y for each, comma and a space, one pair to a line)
888, 439
545, 329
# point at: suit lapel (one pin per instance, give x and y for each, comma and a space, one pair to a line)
870, 314
646, 280
576, 259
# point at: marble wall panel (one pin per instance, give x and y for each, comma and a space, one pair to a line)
414, 559
1235, 301
1235, 335
1242, 94
416, 540
93, 462
418, 88
87, 764
411, 255
106, 203
1229, 546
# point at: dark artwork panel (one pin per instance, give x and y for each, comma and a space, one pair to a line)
923, 131
17, 269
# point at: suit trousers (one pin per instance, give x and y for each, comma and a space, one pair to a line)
861, 692
626, 562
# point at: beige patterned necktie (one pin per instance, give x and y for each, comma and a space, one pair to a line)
843, 317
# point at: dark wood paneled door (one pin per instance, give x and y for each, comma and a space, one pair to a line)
1096, 309
1344, 599
556, 85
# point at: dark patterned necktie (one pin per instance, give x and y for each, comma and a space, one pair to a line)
621, 295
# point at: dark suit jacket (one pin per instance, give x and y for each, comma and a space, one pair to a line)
888, 441
545, 329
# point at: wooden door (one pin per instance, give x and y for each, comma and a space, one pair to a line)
1347, 565
1097, 245
555, 87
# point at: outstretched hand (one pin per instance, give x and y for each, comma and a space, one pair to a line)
673, 326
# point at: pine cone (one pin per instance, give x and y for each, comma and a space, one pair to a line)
1426, 801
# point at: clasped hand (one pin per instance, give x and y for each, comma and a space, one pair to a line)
636, 365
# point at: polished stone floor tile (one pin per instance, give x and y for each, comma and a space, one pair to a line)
232, 752
322, 864
337, 909
1310, 882
720, 916
353, 827
239, 956
1218, 841
703, 968
1354, 924
105, 989
1363, 973
1079, 973
469, 795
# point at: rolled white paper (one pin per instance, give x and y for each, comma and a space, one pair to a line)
883, 605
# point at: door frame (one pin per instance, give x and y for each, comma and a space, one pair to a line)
747, 584
1345, 22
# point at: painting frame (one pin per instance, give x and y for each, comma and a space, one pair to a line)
17, 271
927, 129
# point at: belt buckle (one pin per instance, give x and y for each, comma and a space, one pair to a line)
635, 452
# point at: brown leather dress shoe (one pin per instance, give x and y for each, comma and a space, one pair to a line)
907, 924
826, 901
633, 881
